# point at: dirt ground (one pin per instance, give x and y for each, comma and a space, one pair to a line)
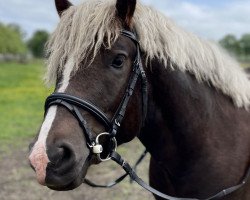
17, 180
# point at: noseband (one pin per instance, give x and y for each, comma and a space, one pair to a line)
72, 104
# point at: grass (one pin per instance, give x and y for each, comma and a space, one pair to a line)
22, 95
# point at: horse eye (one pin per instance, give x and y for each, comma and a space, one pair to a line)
118, 61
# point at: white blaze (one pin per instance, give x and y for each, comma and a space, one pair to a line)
38, 157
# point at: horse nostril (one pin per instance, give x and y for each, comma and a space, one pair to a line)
61, 156
55, 155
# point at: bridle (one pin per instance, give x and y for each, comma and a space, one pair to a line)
112, 126
72, 104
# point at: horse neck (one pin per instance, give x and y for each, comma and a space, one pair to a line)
189, 127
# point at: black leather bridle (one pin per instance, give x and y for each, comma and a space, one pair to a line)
72, 104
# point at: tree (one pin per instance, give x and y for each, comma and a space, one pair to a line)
230, 43
11, 40
245, 44
17, 29
37, 42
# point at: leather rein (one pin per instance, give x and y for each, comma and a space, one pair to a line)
72, 104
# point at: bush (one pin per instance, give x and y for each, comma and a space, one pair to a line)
37, 42
11, 40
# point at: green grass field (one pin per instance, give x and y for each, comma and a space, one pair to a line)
22, 95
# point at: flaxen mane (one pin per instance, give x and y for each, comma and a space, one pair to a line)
83, 29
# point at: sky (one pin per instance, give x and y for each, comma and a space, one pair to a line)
210, 19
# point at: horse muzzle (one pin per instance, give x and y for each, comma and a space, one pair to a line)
59, 167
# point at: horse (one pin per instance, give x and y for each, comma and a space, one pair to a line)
185, 99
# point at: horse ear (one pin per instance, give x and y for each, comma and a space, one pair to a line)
62, 5
125, 10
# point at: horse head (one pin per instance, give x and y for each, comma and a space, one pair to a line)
99, 75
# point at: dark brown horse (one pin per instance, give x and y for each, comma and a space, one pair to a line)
197, 127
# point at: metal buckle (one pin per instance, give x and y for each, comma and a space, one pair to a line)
117, 123
97, 148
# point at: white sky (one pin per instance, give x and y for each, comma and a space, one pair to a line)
210, 19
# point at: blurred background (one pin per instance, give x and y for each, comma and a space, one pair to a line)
24, 29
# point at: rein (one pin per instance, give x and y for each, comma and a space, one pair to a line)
72, 104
